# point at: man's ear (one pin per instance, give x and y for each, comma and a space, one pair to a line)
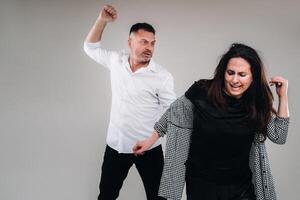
129, 43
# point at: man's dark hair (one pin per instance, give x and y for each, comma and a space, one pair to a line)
144, 26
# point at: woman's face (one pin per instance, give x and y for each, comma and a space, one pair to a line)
238, 77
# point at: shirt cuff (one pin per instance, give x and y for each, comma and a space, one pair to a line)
159, 129
92, 44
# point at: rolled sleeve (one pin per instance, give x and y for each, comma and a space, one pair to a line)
161, 126
98, 54
277, 129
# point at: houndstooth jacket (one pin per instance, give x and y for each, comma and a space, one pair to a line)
177, 124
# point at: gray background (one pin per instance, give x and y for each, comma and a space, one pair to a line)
55, 101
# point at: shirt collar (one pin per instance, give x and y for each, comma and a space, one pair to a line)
150, 67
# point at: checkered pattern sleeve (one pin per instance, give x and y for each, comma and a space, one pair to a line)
278, 129
161, 126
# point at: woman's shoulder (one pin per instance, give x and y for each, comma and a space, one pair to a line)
185, 102
198, 90
182, 102
181, 112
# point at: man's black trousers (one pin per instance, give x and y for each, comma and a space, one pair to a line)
115, 168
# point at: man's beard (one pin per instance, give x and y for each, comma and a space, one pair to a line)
146, 57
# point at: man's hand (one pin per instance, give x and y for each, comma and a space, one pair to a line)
108, 14
141, 146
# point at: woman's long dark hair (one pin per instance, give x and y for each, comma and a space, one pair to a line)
258, 97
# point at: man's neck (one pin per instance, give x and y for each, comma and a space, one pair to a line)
134, 66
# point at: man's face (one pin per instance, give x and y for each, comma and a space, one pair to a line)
141, 45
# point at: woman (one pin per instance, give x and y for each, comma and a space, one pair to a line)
216, 132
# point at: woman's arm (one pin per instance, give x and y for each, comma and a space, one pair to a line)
281, 85
180, 112
278, 126
160, 129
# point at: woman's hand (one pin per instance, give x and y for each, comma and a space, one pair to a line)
281, 85
141, 146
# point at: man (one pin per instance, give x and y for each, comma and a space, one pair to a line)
141, 92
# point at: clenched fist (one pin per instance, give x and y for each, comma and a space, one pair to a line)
108, 14
281, 85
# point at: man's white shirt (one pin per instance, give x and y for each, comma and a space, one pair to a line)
138, 99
